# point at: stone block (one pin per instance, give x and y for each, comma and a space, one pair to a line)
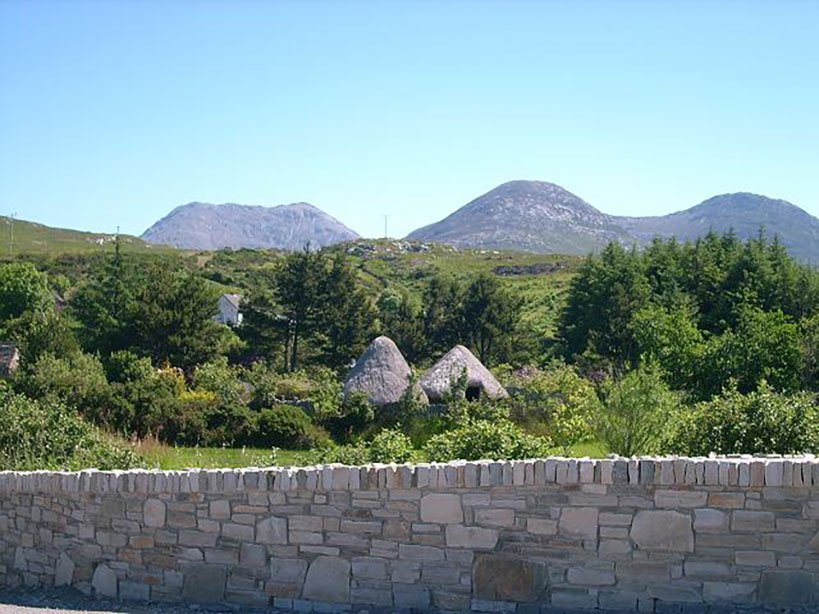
663, 530
134, 591
541, 526
495, 517
153, 513
441, 508
64, 570
370, 568
220, 510
271, 530
415, 552
755, 558
787, 588
459, 536
252, 554
238, 532
104, 581
328, 579
204, 583
591, 575
580, 522
710, 521
676, 499
411, 597
195, 539
706, 569
728, 592
752, 521
727, 500
288, 571
498, 577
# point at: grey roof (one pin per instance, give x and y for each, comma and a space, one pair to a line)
233, 299
9, 359
382, 373
444, 374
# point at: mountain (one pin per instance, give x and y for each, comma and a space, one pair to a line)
535, 216
203, 226
744, 213
531, 216
22, 237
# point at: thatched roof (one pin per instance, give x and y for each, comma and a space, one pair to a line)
382, 373
440, 379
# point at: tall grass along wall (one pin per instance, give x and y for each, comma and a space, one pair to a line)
651, 534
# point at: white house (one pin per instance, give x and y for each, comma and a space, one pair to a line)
229, 309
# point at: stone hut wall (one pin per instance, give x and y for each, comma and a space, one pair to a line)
542, 535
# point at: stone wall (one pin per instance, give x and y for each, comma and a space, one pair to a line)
543, 535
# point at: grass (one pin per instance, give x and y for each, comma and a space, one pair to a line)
33, 238
161, 456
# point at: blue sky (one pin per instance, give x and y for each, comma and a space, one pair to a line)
113, 113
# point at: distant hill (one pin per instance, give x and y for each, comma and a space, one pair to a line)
33, 238
744, 213
536, 216
203, 226
531, 216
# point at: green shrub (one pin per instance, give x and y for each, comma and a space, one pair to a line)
283, 426
48, 435
391, 446
318, 390
482, 439
354, 415
557, 403
349, 454
77, 380
758, 422
635, 412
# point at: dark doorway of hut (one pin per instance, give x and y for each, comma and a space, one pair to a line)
473, 393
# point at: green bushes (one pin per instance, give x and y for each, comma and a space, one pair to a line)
286, 426
758, 422
482, 439
49, 435
635, 412
557, 403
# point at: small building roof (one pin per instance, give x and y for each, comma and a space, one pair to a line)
444, 374
9, 359
233, 299
382, 373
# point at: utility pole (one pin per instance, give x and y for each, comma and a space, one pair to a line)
11, 233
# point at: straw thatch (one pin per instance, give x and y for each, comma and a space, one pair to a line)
382, 373
444, 375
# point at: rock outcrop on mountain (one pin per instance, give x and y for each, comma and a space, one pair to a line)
535, 216
202, 226
532, 216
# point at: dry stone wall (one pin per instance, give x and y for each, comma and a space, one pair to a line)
532, 536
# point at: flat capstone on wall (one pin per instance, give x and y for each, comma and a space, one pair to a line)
647, 534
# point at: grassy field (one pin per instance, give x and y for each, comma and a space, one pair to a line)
176, 458
33, 238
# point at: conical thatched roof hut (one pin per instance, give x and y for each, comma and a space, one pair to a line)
439, 380
382, 373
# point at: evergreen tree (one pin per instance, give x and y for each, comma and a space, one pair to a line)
489, 318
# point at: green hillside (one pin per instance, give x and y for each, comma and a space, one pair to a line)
541, 279
31, 238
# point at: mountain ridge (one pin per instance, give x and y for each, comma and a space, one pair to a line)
530, 216
207, 226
